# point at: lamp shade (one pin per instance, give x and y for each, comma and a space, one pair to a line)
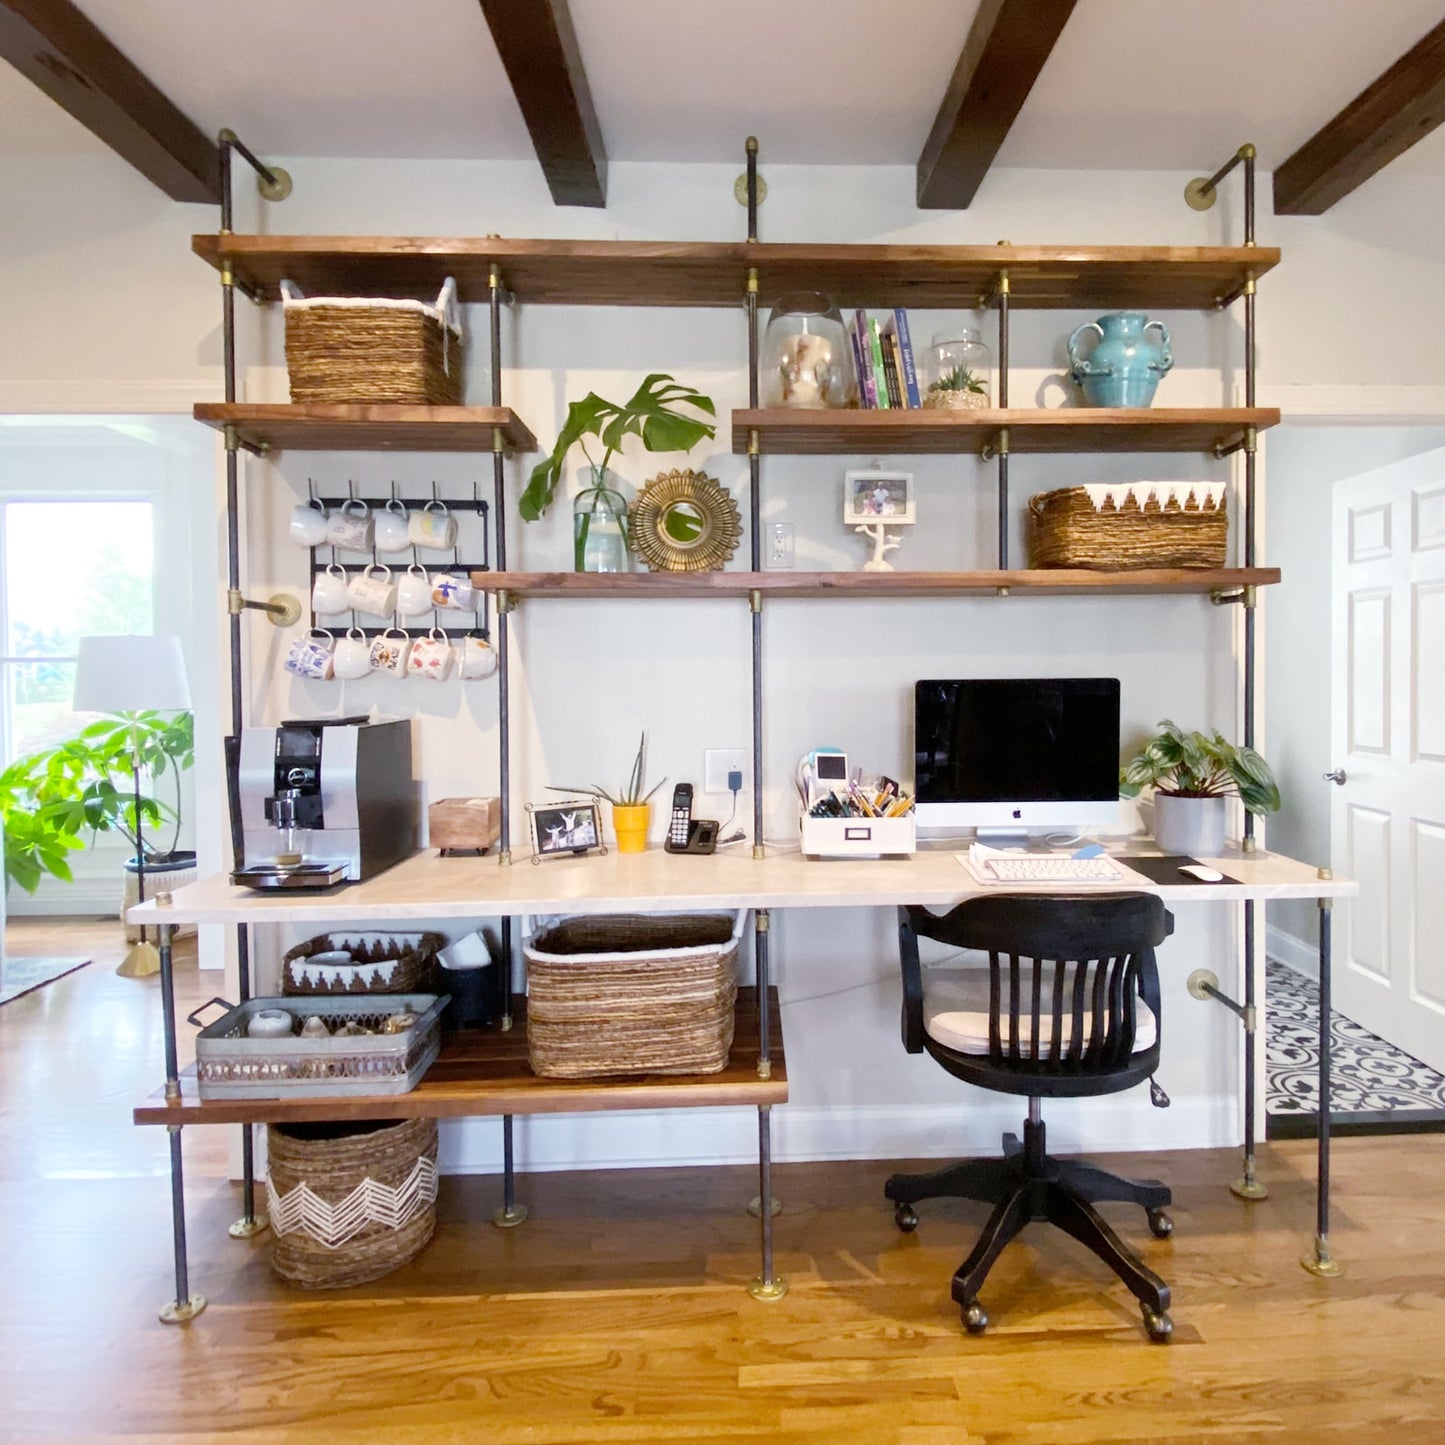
131, 674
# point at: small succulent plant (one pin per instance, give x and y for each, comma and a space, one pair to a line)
959, 379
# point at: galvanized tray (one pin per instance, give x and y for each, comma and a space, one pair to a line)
231, 1065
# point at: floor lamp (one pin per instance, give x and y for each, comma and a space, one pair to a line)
127, 675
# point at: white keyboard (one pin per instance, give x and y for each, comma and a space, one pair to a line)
1054, 870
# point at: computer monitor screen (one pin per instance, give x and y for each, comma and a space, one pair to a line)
1020, 755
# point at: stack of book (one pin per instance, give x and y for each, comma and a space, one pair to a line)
883, 356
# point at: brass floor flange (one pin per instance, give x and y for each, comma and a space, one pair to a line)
511, 1218
768, 1289
755, 1205
1246, 1188
247, 1228
178, 1314
1325, 1268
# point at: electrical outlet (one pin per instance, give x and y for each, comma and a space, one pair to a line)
717, 763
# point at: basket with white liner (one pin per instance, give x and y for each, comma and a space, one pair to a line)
1130, 524
361, 963
374, 349
632, 994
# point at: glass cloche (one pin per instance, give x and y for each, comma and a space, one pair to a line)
959, 365
807, 359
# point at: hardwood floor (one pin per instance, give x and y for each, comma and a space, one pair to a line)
617, 1312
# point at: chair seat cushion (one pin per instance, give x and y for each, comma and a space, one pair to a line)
955, 1013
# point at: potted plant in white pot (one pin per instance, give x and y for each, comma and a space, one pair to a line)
1192, 774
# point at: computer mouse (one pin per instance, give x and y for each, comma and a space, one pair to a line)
1203, 874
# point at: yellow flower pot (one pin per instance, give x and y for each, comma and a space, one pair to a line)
630, 825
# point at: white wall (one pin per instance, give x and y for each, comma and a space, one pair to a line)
106, 264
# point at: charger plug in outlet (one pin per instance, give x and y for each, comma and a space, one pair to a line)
717, 763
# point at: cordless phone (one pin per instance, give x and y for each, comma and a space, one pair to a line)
686, 834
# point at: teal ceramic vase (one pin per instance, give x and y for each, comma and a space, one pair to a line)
1125, 364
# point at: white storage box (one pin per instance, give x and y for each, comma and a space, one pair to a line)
858, 837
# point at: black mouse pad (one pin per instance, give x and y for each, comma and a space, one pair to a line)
1166, 869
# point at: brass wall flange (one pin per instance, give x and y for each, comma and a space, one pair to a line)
740, 190
277, 188
1200, 193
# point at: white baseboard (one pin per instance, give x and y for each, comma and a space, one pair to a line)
86, 897
1302, 957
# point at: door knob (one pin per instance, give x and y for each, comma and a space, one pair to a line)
1336, 776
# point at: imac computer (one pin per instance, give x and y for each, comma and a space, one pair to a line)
1011, 757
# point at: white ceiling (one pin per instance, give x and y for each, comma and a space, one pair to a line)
1132, 84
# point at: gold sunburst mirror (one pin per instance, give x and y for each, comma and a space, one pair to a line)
684, 522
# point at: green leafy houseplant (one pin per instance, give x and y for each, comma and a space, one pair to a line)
628, 796
1200, 765
52, 798
650, 413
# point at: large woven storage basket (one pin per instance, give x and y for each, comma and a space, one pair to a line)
632, 994
349, 1202
1147, 524
383, 963
367, 349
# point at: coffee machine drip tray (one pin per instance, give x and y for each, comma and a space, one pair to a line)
300, 875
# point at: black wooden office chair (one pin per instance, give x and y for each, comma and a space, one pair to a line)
1077, 975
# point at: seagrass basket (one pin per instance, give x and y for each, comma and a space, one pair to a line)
381, 963
1146, 524
349, 1202
632, 994
370, 349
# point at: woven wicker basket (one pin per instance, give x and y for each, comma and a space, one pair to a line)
632, 994
384, 963
365, 349
1148, 524
349, 1202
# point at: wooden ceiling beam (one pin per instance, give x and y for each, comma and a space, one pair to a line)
1006, 48
1404, 105
539, 51
54, 45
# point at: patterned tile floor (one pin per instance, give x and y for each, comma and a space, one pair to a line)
1369, 1076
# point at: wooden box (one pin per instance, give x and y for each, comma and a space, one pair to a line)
464, 822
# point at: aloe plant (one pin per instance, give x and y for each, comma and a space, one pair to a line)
650, 414
630, 795
959, 379
1200, 765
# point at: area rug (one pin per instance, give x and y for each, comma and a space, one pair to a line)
21, 975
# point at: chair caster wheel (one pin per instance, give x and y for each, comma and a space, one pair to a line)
905, 1218
1160, 1224
1158, 1326
975, 1318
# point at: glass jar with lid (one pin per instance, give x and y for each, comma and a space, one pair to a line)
807, 360
959, 367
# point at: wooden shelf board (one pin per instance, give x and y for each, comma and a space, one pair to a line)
796, 432
331, 426
685, 273
781, 585
485, 1071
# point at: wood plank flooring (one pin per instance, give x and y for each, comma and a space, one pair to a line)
617, 1313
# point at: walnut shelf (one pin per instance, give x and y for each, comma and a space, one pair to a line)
797, 432
1054, 582
485, 1071
332, 426
685, 273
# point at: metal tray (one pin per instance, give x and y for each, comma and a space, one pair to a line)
231, 1065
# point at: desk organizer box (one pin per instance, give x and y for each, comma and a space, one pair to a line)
232, 1065
632, 994
372, 349
384, 963
348, 1203
859, 837
1142, 524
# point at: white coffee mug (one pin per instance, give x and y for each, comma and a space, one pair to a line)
431, 656
350, 526
308, 524
390, 526
476, 657
389, 652
372, 590
328, 592
311, 656
413, 592
352, 657
453, 590
433, 526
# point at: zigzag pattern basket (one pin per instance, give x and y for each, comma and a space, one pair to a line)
1143, 524
382, 963
349, 1202
632, 994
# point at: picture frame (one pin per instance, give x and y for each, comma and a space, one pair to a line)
570, 828
871, 497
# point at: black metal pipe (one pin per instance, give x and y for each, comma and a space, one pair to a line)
752, 150
1248, 154
1322, 1219
757, 618
1213, 182
1003, 511
1003, 338
761, 926
509, 1170
1250, 1037
248, 1142
765, 1188
178, 1221
230, 141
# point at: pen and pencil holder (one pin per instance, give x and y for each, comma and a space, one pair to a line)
859, 837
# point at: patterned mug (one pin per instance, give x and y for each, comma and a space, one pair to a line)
454, 591
311, 655
433, 526
389, 652
351, 527
372, 590
431, 656
476, 657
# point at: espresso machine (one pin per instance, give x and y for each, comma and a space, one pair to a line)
324, 801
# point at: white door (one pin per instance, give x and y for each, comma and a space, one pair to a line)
1388, 818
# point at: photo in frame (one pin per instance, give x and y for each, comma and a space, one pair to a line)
876, 496
573, 827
